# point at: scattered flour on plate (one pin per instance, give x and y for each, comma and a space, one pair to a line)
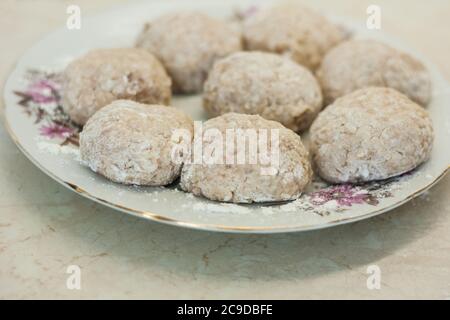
56, 149
304, 205
219, 208
300, 205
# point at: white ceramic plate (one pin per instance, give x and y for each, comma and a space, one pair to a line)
42, 132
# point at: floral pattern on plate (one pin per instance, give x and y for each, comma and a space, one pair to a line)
41, 100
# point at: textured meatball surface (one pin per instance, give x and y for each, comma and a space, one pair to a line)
246, 182
358, 64
104, 75
188, 43
370, 134
292, 30
131, 143
266, 84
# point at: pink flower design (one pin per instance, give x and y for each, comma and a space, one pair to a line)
43, 91
41, 100
247, 12
56, 131
344, 195
250, 11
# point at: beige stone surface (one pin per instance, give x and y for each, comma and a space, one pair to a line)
44, 227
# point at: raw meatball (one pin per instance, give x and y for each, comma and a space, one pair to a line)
292, 30
102, 76
132, 143
358, 64
370, 134
248, 181
267, 84
188, 43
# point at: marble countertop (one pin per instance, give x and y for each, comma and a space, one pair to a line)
45, 228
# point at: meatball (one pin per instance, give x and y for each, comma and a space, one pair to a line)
370, 134
247, 159
292, 30
358, 64
188, 43
102, 76
266, 84
132, 143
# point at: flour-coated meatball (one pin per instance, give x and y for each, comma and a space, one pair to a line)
359, 64
188, 43
104, 75
240, 179
266, 84
292, 30
370, 134
132, 143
